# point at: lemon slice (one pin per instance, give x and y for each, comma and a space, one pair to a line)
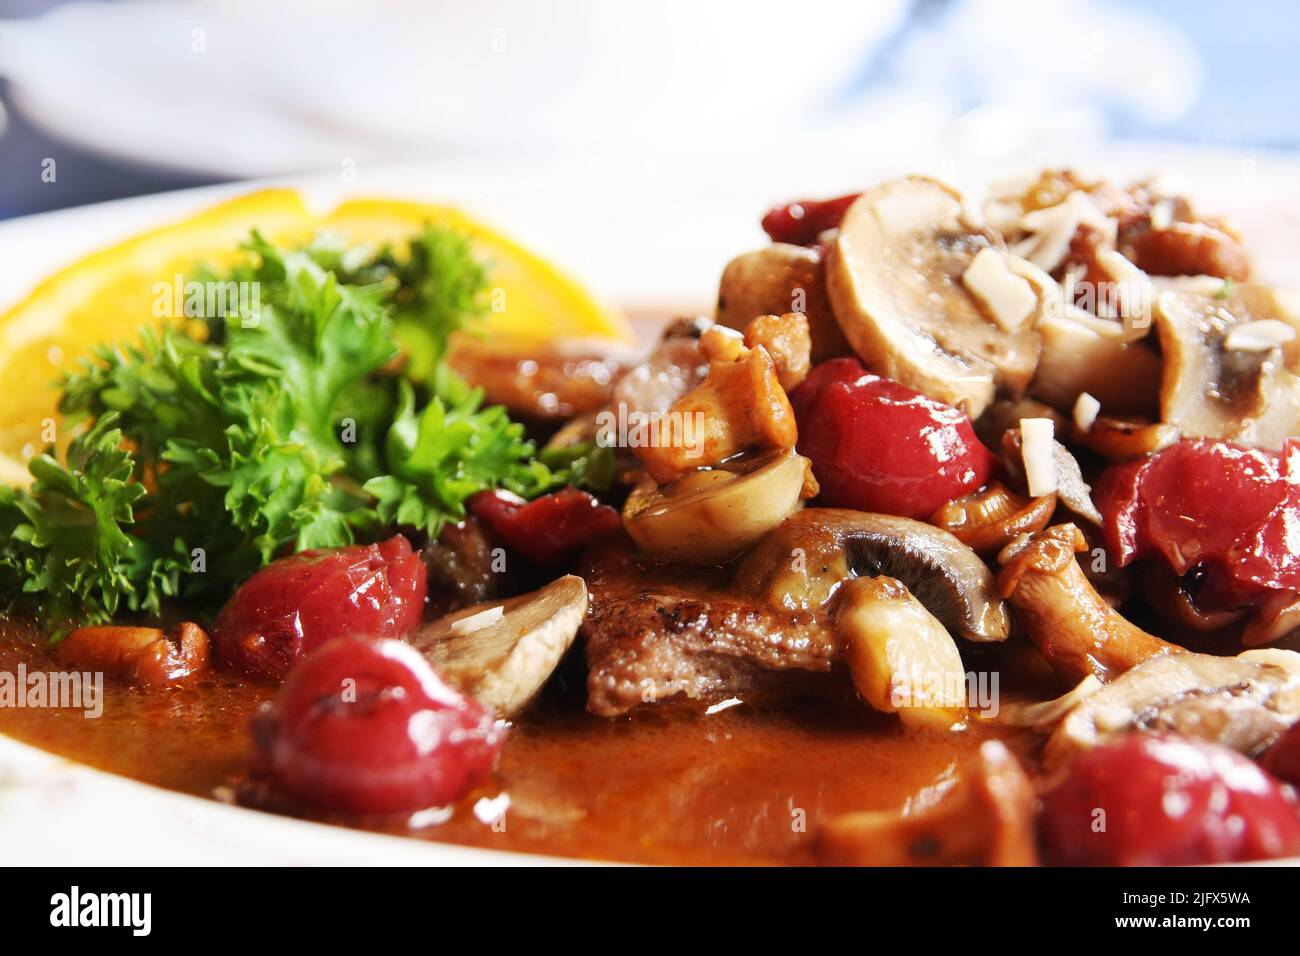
110, 295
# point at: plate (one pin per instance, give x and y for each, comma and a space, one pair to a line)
652, 237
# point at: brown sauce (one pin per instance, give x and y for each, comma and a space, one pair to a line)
747, 784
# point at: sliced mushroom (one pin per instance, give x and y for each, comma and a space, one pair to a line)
777, 279
1168, 595
894, 275
143, 655
1241, 702
1043, 716
987, 520
502, 653
1070, 488
1086, 354
901, 658
1056, 605
713, 514
986, 819
1214, 387
802, 564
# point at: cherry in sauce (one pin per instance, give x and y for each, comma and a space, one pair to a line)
1155, 800
296, 604
877, 445
366, 726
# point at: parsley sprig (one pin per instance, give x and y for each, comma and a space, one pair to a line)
277, 425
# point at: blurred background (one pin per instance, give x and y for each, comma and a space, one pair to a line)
100, 100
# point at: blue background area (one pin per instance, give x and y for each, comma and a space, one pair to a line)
1251, 95
1249, 98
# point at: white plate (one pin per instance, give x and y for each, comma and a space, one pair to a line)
639, 235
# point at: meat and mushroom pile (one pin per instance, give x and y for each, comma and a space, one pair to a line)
915, 442
934, 438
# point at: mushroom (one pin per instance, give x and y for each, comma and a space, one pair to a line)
901, 658
143, 655
740, 406
987, 520
1074, 628
1082, 353
802, 564
1057, 461
986, 819
786, 338
1241, 702
1117, 438
1223, 376
1276, 617
713, 514
894, 274
1042, 716
502, 653
777, 279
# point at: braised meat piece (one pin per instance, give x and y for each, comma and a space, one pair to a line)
656, 630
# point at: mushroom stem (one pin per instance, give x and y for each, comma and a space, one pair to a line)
1074, 628
902, 660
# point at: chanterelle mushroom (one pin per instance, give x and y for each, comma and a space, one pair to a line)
987, 819
802, 564
502, 653
1076, 630
1241, 702
894, 274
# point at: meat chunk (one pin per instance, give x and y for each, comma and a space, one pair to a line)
658, 630
539, 384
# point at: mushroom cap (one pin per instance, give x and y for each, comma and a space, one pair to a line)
505, 662
712, 515
894, 275
777, 279
800, 565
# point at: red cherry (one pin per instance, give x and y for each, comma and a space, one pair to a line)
296, 604
879, 446
366, 726
1224, 509
801, 222
1282, 758
549, 531
1152, 800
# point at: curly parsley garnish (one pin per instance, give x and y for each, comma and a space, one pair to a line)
276, 424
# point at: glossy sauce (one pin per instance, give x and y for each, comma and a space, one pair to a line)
745, 784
